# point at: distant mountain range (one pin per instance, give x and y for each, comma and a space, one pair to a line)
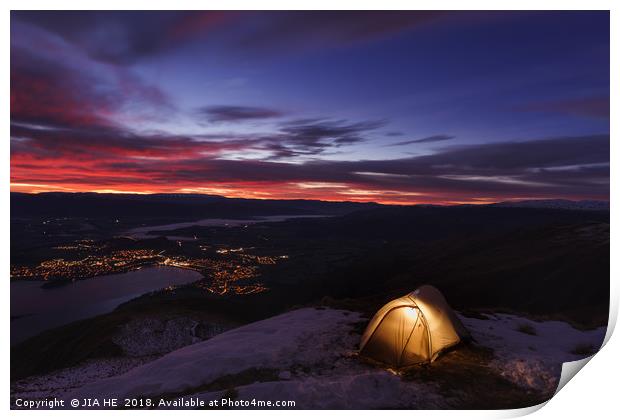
199, 206
557, 204
184, 206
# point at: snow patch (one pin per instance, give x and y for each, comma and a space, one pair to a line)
531, 360
304, 340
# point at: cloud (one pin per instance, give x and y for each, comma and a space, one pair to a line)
315, 136
116, 37
312, 29
99, 141
430, 139
56, 88
124, 37
194, 23
44, 92
109, 144
511, 156
566, 167
227, 113
594, 107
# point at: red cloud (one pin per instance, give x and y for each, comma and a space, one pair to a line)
43, 100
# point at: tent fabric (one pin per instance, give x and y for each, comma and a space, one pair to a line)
412, 329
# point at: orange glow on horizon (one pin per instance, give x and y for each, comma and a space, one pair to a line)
287, 191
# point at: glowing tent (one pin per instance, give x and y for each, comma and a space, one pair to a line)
412, 329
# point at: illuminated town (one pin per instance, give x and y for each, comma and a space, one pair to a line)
229, 271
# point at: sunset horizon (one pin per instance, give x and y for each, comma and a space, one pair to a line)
249, 196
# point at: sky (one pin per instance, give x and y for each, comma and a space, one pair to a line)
392, 107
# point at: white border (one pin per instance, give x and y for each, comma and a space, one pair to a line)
592, 395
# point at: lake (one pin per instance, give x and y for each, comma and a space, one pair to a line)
35, 309
142, 232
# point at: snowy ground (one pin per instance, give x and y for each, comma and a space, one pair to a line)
532, 359
307, 356
59, 382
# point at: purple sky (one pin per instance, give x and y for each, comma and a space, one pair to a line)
400, 107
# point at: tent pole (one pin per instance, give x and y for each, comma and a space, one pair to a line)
400, 358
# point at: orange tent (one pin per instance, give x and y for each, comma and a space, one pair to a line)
412, 329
